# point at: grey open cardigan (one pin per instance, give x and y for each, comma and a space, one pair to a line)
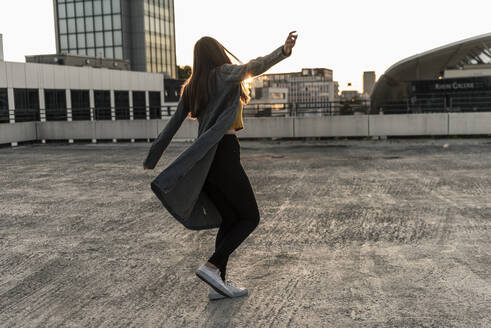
179, 186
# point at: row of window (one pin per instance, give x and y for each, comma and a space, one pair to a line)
158, 56
107, 52
159, 35
158, 25
297, 85
295, 80
159, 40
308, 92
87, 8
159, 67
27, 105
91, 40
159, 8
308, 89
89, 24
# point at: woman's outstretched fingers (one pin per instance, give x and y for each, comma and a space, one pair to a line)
290, 42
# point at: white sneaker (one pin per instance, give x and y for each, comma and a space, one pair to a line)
212, 278
236, 291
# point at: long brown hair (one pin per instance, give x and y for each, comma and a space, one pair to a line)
208, 54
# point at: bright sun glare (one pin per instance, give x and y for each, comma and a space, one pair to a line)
248, 81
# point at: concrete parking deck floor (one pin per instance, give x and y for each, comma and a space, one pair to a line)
353, 234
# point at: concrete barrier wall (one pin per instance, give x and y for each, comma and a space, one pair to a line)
258, 127
119, 129
475, 123
408, 125
10, 132
331, 126
66, 130
188, 129
125, 129
96, 129
267, 127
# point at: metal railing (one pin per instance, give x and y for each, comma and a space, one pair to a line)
86, 113
324, 108
444, 104
260, 127
258, 109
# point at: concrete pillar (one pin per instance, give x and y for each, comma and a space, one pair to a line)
10, 94
163, 111
113, 108
130, 102
92, 108
68, 108
68, 100
147, 105
91, 104
42, 109
147, 108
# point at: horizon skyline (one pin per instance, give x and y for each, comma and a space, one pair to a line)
344, 60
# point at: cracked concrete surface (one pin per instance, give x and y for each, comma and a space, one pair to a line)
353, 234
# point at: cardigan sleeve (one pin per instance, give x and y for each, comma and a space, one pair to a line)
165, 137
237, 73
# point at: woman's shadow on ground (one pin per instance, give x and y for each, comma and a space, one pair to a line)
221, 313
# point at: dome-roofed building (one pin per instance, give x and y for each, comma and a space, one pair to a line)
454, 77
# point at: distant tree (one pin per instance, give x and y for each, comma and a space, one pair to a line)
183, 72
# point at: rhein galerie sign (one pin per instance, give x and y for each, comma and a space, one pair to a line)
470, 84
454, 86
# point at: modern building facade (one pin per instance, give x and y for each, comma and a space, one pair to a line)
268, 101
452, 78
459, 94
76, 60
31, 92
350, 95
311, 85
140, 31
368, 82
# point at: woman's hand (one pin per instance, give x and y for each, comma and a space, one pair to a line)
290, 43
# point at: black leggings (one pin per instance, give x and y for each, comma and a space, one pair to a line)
228, 186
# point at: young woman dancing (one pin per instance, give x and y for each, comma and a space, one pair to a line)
226, 183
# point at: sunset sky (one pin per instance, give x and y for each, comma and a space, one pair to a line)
348, 37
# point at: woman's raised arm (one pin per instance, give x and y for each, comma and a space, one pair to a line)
259, 65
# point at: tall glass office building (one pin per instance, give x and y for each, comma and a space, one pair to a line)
141, 31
